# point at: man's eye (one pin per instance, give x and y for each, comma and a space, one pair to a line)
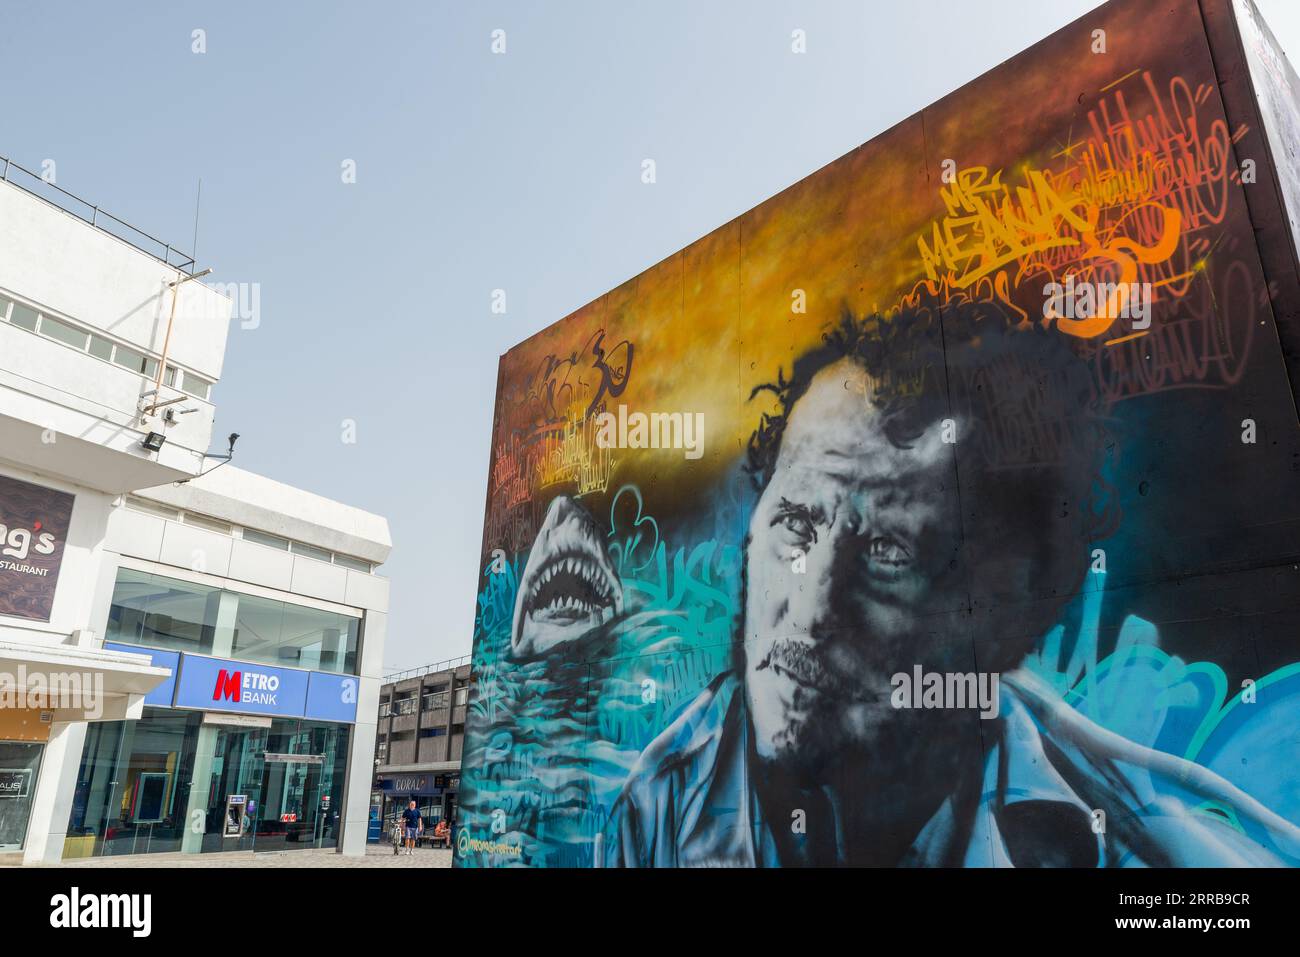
797, 522
799, 525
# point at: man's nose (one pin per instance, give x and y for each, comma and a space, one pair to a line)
817, 599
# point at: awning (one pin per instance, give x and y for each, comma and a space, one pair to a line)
76, 683
423, 766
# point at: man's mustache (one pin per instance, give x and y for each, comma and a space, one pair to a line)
806, 663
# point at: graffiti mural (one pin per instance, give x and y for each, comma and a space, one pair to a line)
940, 511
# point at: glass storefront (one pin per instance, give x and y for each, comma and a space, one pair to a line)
162, 612
20, 763
170, 782
435, 797
203, 781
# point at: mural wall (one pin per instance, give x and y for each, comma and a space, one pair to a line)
941, 510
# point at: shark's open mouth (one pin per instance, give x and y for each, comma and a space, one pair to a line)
569, 586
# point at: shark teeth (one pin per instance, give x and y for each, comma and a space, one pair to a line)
581, 568
571, 584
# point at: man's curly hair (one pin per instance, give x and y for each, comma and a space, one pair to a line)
1032, 439
898, 354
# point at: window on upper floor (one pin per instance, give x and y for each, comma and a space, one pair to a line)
162, 612
270, 541
311, 551
101, 348
135, 361
83, 340
23, 317
196, 386
64, 333
356, 564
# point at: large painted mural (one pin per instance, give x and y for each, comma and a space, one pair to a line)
940, 511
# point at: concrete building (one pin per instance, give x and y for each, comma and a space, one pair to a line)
419, 738
185, 647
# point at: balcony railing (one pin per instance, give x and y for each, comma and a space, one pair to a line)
39, 187
447, 665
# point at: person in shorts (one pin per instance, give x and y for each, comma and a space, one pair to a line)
412, 825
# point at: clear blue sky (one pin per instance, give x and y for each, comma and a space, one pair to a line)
474, 172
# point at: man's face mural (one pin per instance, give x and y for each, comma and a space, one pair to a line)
851, 545
1000, 458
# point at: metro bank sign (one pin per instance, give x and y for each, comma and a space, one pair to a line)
220, 684
246, 687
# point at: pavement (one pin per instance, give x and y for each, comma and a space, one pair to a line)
376, 856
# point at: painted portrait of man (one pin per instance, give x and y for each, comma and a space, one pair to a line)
982, 551
802, 756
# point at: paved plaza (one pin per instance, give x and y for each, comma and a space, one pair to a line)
376, 856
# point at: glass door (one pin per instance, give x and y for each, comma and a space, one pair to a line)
303, 795
235, 795
302, 782
20, 762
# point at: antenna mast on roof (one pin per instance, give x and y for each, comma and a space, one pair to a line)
194, 249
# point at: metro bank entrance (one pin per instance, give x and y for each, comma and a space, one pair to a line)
230, 755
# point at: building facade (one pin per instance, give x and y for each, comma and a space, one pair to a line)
420, 734
189, 653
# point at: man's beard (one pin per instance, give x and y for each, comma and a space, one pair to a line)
847, 726
840, 723
806, 662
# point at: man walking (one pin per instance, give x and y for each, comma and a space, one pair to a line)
413, 825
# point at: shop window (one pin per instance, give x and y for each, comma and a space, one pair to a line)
133, 793
20, 763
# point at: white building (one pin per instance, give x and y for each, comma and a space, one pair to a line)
182, 666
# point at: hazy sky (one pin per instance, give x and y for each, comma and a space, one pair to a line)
475, 172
